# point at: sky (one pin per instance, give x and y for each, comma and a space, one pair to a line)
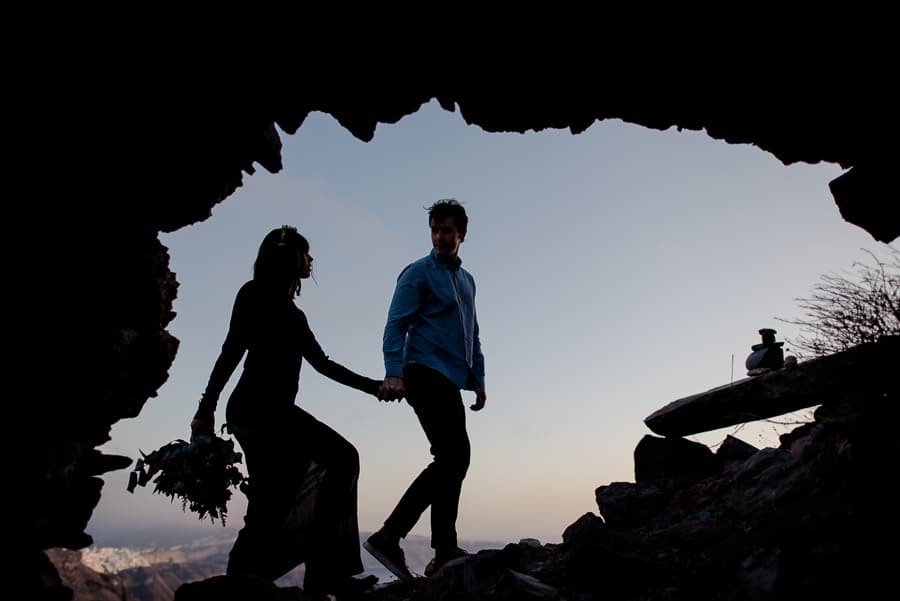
617, 270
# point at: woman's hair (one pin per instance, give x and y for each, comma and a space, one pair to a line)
276, 262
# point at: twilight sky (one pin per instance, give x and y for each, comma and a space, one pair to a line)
618, 270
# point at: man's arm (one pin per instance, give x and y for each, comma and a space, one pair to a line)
477, 357
478, 369
405, 304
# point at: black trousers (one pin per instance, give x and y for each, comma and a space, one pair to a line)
302, 501
439, 407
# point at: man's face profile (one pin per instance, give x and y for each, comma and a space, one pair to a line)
445, 238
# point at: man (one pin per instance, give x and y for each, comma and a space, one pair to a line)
432, 351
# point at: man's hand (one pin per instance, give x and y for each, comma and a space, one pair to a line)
480, 400
392, 389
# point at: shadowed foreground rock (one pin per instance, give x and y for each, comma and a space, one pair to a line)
68, 579
806, 520
237, 588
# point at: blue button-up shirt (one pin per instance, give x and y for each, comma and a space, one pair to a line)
432, 321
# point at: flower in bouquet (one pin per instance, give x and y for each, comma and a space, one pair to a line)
201, 473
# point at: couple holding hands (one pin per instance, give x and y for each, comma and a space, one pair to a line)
303, 474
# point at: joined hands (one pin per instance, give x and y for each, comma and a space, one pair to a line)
392, 389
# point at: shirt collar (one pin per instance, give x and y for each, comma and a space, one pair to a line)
439, 259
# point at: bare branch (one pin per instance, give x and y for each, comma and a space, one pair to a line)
850, 309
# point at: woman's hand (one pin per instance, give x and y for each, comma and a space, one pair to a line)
203, 427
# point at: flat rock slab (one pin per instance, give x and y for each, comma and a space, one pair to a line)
865, 370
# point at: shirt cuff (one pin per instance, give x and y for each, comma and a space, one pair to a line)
393, 370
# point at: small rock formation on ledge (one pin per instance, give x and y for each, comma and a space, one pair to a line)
766, 356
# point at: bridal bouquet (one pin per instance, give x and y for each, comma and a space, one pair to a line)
201, 473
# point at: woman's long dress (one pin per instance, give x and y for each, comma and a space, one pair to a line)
302, 497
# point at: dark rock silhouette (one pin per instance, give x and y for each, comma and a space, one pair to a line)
77, 582
679, 459
237, 588
806, 520
154, 147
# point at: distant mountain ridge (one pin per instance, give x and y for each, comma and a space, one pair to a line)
158, 535
155, 573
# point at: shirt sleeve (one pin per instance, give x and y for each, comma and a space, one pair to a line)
477, 358
233, 349
316, 357
405, 304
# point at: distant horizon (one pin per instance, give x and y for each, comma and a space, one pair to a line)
148, 537
208, 556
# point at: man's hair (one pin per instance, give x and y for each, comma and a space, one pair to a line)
449, 207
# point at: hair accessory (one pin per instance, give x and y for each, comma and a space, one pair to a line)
285, 230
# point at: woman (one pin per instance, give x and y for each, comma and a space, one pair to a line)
302, 497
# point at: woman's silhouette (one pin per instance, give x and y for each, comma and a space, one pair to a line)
302, 494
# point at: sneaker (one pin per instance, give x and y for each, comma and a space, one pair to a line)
390, 556
434, 565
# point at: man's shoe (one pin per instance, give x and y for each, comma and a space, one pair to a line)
440, 561
390, 556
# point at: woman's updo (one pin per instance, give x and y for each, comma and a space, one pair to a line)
276, 262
